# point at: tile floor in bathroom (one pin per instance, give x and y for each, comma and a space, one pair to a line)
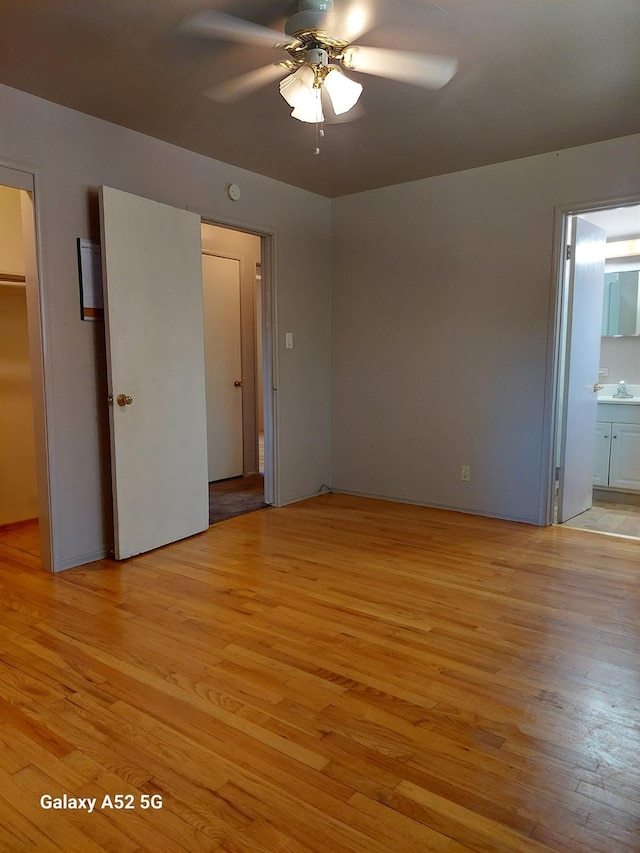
608, 517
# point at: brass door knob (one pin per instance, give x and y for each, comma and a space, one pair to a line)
124, 400
238, 383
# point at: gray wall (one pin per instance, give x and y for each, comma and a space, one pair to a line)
73, 154
441, 293
622, 357
441, 297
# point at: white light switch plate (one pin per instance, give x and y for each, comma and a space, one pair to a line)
288, 340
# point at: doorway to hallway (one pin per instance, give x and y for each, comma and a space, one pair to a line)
236, 379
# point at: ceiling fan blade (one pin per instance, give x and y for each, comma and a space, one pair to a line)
238, 87
350, 22
213, 24
421, 69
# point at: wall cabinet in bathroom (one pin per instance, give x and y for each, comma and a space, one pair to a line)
617, 459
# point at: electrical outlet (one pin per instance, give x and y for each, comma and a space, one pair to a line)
465, 473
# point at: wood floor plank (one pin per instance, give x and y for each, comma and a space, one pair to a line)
19, 791
341, 675
480, 832
18, 832
416, 837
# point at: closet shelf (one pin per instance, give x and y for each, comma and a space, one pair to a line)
11, 282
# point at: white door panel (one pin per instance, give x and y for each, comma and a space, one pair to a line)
586, 286
221, 285
155, 355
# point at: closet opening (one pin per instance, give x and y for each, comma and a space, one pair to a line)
24, 494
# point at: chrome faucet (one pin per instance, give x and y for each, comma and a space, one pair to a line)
622, 391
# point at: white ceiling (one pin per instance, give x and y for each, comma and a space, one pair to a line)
620, 223
534, 76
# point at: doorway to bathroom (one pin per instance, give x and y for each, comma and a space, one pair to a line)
597, 432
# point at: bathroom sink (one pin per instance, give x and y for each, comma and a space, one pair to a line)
607, 393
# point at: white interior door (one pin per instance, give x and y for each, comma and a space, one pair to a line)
155, 359
584, 328
223, 355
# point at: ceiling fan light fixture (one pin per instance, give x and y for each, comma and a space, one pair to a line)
317, 58
343, 91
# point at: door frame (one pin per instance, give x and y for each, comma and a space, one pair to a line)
554, 398
269, 349
27, 179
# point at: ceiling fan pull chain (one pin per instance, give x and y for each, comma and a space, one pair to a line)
319, 136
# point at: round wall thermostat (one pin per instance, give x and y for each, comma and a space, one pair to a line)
233, 191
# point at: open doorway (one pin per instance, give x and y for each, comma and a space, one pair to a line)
18, 490
24, 517
610, 470
234, 371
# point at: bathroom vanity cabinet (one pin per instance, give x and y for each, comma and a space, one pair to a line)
617, 458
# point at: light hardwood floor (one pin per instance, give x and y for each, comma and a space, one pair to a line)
341, 675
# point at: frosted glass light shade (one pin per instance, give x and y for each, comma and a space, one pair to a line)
343, 91
299, 92
297, 88
311, 109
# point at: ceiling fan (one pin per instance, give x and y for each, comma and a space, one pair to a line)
316, 59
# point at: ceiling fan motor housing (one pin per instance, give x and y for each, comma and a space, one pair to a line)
317, 56
309, 16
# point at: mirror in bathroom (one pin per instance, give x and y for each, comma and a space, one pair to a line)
621, 308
